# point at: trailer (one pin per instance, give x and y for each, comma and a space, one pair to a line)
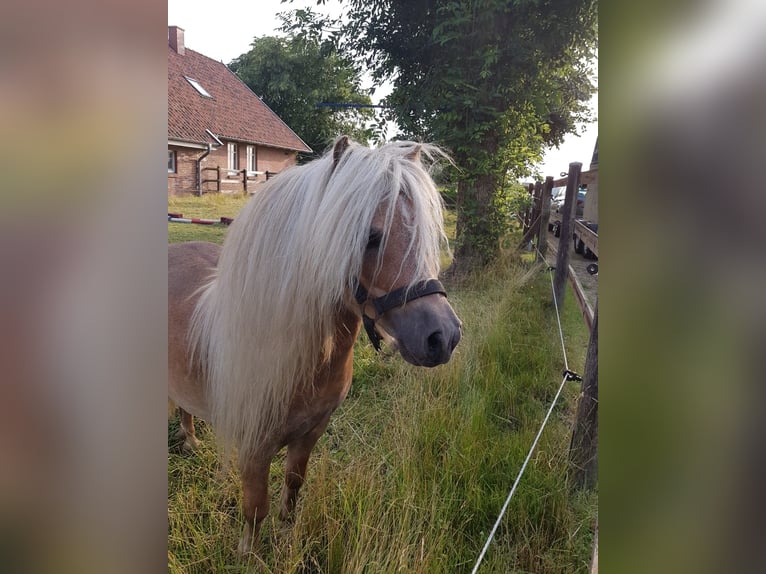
586, 238
585, 234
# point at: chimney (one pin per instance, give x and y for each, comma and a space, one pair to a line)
176, 39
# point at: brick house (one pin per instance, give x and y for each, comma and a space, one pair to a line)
221, 136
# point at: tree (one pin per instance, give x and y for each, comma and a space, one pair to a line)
293, 74
494, 81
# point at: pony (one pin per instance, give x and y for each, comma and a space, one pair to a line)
261, 331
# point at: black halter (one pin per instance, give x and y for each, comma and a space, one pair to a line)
395, 298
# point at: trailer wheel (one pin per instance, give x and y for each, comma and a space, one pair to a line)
592, 268
579, 246
588, 254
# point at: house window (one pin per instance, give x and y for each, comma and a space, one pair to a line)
233, 157
197, 86
171, 161
250, 158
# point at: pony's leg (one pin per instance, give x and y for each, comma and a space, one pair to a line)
298, 453
186, 431
255, 503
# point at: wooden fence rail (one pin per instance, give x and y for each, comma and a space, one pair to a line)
233, 181
207, 179
535, 225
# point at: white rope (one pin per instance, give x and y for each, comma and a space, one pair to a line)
518, 477
539, 432
556, 303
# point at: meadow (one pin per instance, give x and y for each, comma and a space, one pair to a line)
416, 464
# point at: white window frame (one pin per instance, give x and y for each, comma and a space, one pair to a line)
233, 157
172, 162
251, 159
197, 86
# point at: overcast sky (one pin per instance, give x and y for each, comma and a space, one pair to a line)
225, 29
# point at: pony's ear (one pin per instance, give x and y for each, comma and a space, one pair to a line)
337, 151
414, 154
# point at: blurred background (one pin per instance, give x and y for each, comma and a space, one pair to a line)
683, 111
83, 289
82, 294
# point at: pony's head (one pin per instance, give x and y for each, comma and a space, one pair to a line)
397, 290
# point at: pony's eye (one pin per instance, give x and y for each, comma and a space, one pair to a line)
375, 238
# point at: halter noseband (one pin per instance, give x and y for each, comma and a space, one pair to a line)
395, 298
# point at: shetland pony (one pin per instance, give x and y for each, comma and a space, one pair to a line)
261, 331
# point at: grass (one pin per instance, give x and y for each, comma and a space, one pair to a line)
416, 464
212, 206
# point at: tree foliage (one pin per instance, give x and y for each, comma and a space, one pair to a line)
292, 74
494, 81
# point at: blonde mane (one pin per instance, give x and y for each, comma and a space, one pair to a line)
289, 263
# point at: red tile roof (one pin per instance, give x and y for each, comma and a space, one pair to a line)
233, 112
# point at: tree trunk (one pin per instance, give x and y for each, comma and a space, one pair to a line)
477, 234
478, 226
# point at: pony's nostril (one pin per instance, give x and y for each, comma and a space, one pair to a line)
435, 343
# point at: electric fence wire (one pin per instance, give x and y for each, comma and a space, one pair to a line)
537, 437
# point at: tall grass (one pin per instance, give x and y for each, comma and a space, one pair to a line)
416, 464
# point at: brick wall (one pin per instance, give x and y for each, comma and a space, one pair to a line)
275, 160
185, 180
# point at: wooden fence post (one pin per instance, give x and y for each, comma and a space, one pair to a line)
244, 181
545, 215
583, 450
528, 211
534, 217
536, 204
565, 240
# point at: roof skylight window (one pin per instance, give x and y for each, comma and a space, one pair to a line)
197, 86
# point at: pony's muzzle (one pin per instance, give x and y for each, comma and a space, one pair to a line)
426, 330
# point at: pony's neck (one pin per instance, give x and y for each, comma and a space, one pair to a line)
347, 326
